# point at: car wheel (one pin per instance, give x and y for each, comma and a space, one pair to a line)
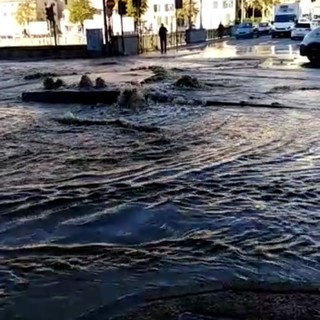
273, 36
293, 38
237, 38
314, 58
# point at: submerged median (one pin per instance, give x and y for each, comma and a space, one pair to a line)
163, 86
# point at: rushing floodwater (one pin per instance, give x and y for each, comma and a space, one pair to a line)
90, 213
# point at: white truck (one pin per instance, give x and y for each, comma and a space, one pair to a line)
315, 14
285, 17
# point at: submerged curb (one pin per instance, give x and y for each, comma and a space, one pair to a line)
72, 96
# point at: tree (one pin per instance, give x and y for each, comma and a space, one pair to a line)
266, 7
189, 11
137, 13
251, 4
26, 12
81, 10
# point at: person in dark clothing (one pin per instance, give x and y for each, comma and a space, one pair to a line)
163, 38
220, 30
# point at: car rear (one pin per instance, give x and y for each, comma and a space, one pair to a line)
263, 28
300, 30
244, 30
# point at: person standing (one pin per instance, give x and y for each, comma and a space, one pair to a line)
163, 38
220, 30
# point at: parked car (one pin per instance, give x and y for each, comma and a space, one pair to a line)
246, 30
310, 46
300, 30
264, 28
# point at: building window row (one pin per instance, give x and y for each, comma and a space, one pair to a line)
227, 4
167, 7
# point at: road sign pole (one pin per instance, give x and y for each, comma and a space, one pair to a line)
108, 6
122, 36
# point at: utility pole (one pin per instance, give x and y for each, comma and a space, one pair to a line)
201, 23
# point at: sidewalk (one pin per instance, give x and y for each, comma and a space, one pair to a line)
183, 50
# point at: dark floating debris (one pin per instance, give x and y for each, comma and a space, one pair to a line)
159, 74
51, 84
187, 82
39, 75
131, 98
100, 83
158, 96
85, 82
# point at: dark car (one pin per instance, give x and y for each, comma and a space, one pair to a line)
310, 46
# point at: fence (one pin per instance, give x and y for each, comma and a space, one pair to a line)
152, 43
148, 42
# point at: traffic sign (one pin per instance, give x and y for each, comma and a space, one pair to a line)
111, 4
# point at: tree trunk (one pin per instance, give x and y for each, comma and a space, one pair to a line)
263, 12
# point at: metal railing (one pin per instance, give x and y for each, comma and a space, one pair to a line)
151, 42
147, 42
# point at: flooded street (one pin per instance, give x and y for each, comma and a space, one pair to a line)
174, 194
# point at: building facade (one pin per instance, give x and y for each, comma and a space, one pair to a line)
211, 13
8, 23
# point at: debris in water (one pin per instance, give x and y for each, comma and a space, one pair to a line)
100, 83
58, 84
159, 74
157, 96
187, 82
131, 98
85, 82
39, 75
50, 84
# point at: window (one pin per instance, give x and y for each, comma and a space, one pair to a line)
227, 4
303, 25
156, 8
168, 7
159, 21
215, 4
166, 21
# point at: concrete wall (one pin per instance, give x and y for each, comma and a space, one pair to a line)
43, 52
